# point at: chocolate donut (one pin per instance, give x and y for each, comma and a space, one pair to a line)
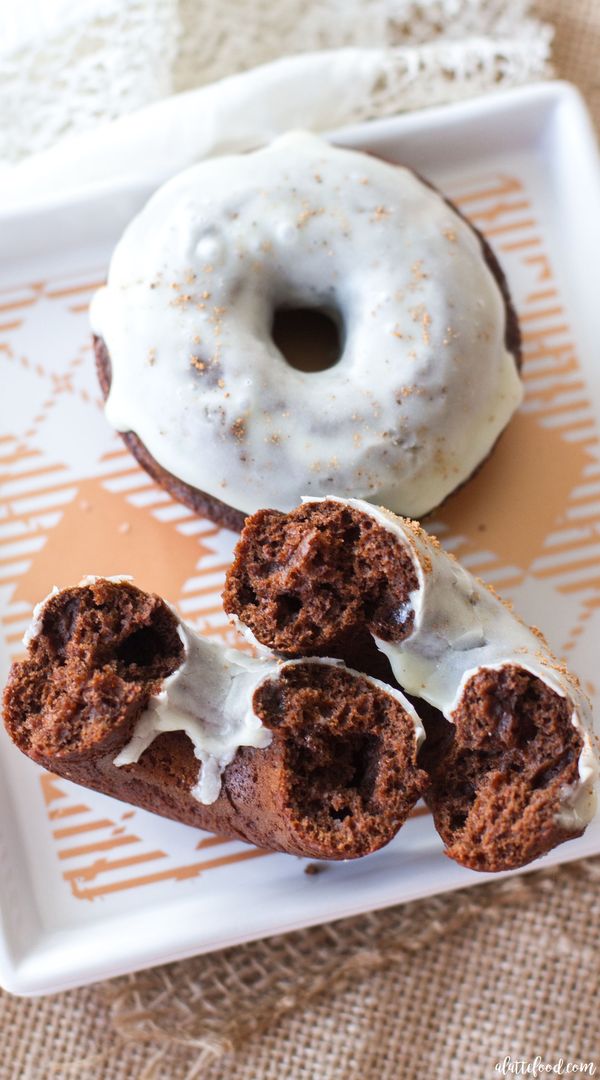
304, 756
427, 376
509, 731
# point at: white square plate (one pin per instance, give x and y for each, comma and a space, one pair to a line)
90, 888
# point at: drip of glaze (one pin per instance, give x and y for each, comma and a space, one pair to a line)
210, 698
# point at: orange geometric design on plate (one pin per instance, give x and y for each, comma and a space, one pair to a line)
496, 507
101, 533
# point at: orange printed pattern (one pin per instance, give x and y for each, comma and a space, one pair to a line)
555, 537
98, 839
69, 510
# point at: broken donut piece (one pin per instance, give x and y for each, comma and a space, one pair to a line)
310, 580
509, 748
305, 749
307, 756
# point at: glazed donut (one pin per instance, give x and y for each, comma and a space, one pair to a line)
427, 376
304, 756
509, 739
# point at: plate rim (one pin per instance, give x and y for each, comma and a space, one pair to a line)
18, 975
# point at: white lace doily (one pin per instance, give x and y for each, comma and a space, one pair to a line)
66, 66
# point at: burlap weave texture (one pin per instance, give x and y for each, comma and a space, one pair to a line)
443, 988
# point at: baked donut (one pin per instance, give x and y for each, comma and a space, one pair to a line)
427, 373
509, 738
301, 753
304, 756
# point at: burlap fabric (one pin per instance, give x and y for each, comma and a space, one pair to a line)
576, 51
444, 988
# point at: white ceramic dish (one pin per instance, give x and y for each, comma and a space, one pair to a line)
91, 889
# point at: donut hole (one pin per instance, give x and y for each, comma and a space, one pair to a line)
316, 579
103, 650
59, 627
142, 648
336, 771
309, 339
288, 605
514, 753
346, 753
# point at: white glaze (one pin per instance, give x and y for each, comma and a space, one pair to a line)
91, 579
461, 627
424, 384
209, 697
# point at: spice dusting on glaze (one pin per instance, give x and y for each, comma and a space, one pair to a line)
424, 384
